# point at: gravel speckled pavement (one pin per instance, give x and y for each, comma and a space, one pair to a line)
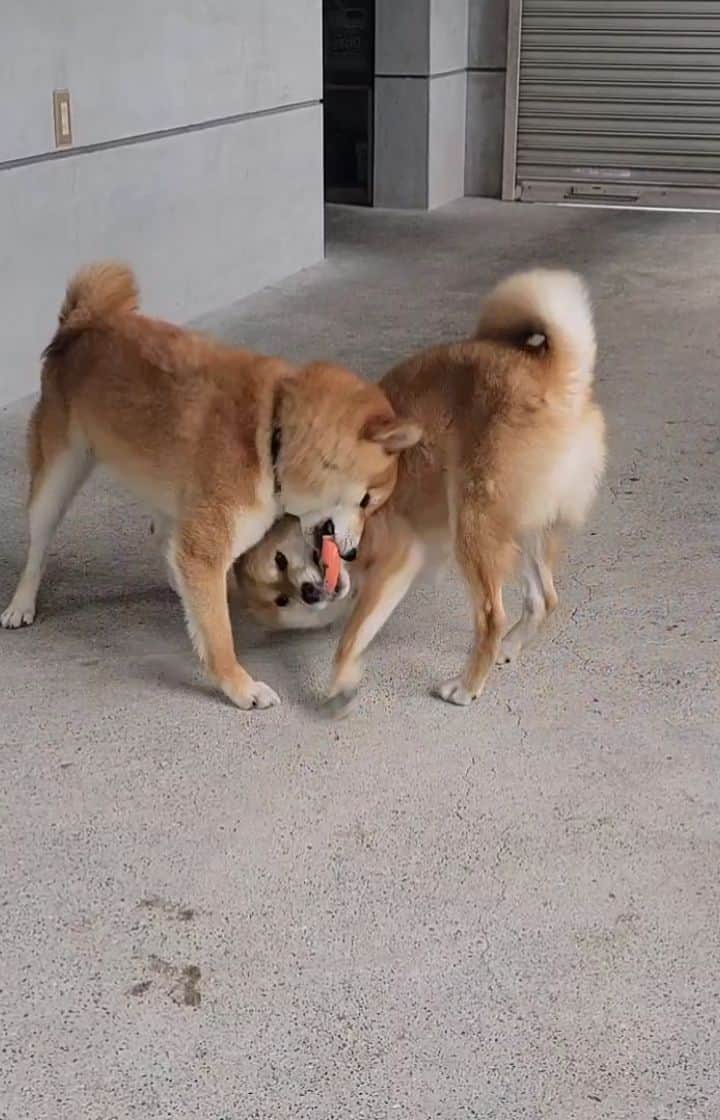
509, 912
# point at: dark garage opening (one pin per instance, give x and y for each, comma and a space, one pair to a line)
348, 69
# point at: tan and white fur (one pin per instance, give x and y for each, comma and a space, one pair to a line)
512, 454
268, 582
218, 441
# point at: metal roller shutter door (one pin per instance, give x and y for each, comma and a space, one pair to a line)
618, 101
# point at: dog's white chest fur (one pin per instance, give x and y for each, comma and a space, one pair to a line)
252, 523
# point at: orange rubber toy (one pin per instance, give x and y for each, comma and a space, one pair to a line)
331, 563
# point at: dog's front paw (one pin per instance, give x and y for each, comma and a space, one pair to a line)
509, 651
21, 612
343, 690
341, 703
256, 694
512, 644
455, 691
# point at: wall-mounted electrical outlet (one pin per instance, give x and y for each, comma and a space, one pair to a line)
61, 117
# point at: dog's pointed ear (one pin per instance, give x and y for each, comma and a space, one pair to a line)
392, 433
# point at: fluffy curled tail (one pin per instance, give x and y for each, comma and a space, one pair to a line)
94, 293
546, 312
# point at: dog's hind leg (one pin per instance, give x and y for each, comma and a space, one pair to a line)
485, 560
539, 594
59, 465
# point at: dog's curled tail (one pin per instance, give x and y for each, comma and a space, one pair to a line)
546, 312
94, 293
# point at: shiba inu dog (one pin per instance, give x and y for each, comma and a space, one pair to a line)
512, 452
218, 441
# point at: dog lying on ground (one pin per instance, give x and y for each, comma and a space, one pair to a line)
512, 452
273, 584
218, 441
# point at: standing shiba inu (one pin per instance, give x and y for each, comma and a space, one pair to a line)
218, 441
512, 453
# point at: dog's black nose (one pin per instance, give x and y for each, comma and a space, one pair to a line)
310, 593
351, 554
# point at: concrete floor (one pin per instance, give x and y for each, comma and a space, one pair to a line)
511, 911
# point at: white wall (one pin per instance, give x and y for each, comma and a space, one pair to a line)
228, 200
139, 66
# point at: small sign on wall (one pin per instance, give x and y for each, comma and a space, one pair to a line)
61, 118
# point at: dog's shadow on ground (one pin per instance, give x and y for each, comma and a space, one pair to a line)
143, 627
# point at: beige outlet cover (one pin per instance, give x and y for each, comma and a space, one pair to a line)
61, 118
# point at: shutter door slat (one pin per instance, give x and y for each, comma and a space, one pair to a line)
551, 133
594, 114
619, 91
612, 48
610, 22
570, 93
654, 9
626, 71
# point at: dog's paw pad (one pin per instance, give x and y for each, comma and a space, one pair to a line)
256, 696
455, 692
510, 648
341, 703
263, 696
17, 615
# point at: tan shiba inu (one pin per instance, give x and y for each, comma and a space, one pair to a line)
512, 453
218, 441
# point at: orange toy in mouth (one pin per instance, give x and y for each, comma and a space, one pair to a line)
331, 563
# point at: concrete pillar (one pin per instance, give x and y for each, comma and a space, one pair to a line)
421, 51
487, 37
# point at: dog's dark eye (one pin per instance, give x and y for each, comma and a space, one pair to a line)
282, 601
281, 562
365, 502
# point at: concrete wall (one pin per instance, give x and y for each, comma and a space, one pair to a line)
487, 37
197, 154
